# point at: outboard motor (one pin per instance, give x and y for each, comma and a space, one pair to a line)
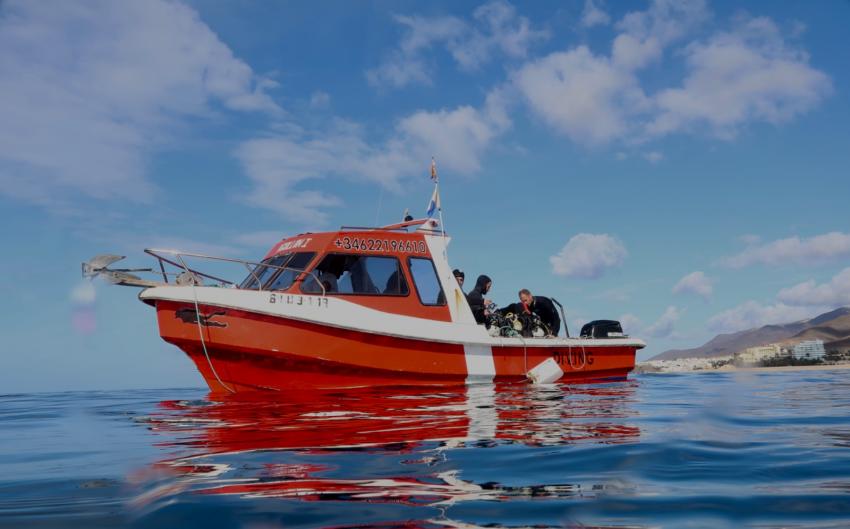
602, 329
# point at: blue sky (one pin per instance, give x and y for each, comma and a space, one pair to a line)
681, 166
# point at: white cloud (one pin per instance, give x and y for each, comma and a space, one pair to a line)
500, 28
751, 314
746, 75
456, 137
594, 14
278, 165
495, 27
664, 326
581, 95
799, 302
588, 255
695, 283
644, 34
407, 64
835, 293
733, 78
595, 99
793, 250
88, 89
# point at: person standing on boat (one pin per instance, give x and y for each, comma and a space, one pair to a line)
477, 302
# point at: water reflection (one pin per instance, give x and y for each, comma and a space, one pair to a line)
414, 447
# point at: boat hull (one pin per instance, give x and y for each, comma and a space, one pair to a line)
241, 350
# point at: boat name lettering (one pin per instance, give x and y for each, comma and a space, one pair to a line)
573, 357
290, 245
291, 299
380, 245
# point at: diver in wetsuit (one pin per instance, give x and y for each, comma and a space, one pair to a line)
477, 302
539, 305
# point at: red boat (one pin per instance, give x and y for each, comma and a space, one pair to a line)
347, 308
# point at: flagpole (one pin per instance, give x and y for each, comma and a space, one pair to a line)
440, 209
439, 204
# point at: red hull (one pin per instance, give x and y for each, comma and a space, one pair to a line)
251, 351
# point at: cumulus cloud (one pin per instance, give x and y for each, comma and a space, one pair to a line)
745, 75
588, 255
594, 14
644, 34
88, 89
278, 165
495, 28
793, 250
752, 314
799, 302
733, 78
581, 95
695, 283
664, 326
835, 293
594, 99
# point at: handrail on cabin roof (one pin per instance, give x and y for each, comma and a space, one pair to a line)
398, 226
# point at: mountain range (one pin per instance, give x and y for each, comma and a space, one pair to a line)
832, 327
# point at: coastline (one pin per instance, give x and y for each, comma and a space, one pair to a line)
732, 369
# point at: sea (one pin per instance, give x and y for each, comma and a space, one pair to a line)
753, 449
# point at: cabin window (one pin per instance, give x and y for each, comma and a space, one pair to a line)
263, 272
426, 281
294, 267
358, 274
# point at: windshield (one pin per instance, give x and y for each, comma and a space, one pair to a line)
263, 271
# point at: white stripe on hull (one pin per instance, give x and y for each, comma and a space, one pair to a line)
479, 363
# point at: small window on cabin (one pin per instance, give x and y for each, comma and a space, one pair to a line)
294, 267
262, 272
358, 274
426, 281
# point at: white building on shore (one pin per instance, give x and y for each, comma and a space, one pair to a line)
754, 355
809, 350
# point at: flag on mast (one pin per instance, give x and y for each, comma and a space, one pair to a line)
434, 203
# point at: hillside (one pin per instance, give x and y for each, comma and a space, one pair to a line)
832, 327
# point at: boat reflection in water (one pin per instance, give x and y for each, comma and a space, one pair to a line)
400, 453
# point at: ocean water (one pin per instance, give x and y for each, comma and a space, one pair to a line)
691, 450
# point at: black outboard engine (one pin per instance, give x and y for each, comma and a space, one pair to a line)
602, 329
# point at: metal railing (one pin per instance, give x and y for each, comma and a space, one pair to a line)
177, 260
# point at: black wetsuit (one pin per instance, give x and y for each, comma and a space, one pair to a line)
476, 298
545, 310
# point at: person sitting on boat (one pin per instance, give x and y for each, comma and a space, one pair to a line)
540, 306
477, 302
